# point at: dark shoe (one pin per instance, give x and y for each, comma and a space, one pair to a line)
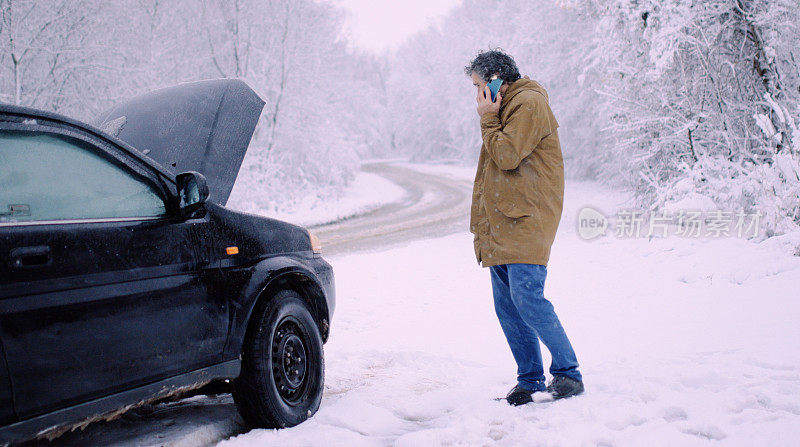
519, 396
562, 387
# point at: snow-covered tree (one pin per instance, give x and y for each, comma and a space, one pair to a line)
80, 56
696, 96
50, 58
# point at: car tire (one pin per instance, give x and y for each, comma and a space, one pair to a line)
283, 369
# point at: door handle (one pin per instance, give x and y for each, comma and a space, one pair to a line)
30, 256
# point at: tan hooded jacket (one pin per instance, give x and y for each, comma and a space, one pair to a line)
519, 187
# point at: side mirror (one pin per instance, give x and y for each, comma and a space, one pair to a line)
192, 193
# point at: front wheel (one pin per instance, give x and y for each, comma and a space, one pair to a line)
283, 370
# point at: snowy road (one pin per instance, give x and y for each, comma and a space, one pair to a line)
683, 342
434, 205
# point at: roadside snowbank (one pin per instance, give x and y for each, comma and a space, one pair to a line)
681, 341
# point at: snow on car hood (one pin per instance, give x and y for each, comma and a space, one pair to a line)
203, 126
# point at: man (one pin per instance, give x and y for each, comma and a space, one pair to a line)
516, 206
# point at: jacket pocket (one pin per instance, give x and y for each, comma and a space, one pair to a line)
510, 209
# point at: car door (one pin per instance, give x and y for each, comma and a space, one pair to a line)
101, 287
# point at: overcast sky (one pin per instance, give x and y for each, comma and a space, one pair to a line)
378, 25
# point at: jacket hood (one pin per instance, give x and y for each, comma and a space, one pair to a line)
201, 126
523, 84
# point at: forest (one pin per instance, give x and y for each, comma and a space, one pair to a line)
683, 103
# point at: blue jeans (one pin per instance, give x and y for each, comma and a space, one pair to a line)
526, 317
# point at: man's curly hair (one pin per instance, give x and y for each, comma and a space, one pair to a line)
487, 63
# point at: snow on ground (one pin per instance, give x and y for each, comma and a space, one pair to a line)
681, 341
365, 193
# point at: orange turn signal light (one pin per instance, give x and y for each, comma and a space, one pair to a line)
232, 251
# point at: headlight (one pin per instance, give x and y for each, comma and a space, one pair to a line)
316, 245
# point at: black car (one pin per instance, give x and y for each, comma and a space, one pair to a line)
125, 280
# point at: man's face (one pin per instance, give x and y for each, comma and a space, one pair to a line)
479, 83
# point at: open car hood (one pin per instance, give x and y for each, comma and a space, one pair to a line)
203, 126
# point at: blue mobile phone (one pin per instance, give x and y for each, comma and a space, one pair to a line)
494, 86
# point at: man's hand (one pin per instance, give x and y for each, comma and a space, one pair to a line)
485, 104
